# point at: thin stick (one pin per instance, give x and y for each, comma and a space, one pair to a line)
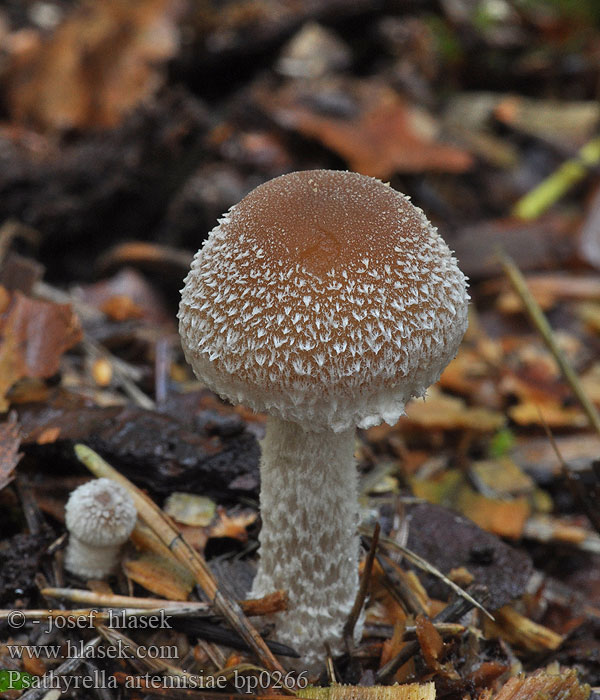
362, 590
271, 603
541, 324
93, 615
186, 554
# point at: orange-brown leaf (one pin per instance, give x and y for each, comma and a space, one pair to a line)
381, 136
97, 66
33, 336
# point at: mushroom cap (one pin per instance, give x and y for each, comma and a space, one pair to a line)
100, 513
325, 298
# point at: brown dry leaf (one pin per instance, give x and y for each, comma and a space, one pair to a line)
190, 509
121, 308
97, 66
554, 415
503, 517
33, 336
461, 576
443, 412
379, 135
9, 446
501, 477
520, 631
548, 686
33, 664
548, 289
232, 526
467, 371
565, 123
545, 528
578, 451
430, 641
127, 295
163, 577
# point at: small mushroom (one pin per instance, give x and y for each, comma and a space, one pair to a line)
100, 516
327, 300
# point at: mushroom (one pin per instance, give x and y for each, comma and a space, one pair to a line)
327, 300
100, 516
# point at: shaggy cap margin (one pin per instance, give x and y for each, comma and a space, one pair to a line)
325, 298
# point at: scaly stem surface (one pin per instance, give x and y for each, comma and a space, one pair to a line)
309, 545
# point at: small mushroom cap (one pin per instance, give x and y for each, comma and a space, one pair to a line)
325, 298
100, 513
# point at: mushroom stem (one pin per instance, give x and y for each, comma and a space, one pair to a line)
309, 544
91, 561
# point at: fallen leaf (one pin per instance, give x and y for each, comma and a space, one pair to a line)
501, 477
127, 295
550, 240
537, 454
101, 62
545, 528
503, 517
564, 123
552, 414
430, 642
163, 577
190, 509
443, 412
548, 289
9, 445
121, 308
33, 336
378, 134
48, 436
233, 526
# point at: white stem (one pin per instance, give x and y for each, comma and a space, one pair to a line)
89, 561
309, 545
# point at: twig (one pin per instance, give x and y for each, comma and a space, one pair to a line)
172, 537
363, 589
112, 614
274, 602
535, 202
541, 324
